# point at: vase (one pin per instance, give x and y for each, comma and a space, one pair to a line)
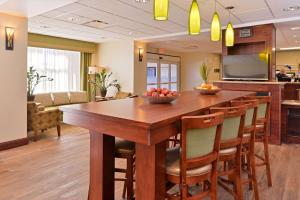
30, 98
103, 92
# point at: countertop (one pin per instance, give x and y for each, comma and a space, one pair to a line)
255, 82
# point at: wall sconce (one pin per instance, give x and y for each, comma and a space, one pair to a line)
9, 38
141, 54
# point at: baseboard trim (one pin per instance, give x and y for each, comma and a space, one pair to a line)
13, 144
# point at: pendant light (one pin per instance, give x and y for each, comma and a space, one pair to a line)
194, 19
215, 28
229, 33
161, 9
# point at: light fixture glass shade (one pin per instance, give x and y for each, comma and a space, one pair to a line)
229, 35
215, 28
161, 9
194, 19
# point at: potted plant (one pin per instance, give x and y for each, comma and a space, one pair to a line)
204, 73
33, 79
103, 81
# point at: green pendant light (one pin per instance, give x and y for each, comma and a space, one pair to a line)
229, 33
161, 9
215, 28
194, 19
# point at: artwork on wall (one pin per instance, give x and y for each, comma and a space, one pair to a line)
9, 38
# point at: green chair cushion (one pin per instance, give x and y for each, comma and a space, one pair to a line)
200, 142
230, 128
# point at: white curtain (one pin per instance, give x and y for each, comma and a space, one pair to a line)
63, 66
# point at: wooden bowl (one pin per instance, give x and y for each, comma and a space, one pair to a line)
159, 100
208, 92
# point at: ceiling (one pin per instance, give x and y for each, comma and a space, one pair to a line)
123, 19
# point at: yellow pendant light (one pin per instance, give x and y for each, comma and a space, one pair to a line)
215, 28
229, 35
194, 19
161, 9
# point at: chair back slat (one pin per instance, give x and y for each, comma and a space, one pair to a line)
234, 117
201, 137
264, 104
251, 111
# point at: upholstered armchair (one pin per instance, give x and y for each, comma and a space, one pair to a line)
39, 119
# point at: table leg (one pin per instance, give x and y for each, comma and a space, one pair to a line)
150, 171
102, 164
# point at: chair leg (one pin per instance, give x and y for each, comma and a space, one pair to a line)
214, 184
58, 130
253, 170
267, 160
238, 182
249, 171
129, 178
36, 132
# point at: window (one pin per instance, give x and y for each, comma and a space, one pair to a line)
63, 66
162, 74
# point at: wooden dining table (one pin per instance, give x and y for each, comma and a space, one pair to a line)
148, 125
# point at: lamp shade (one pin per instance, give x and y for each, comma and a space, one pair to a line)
194, 19
229, 35
161, 9
215, 29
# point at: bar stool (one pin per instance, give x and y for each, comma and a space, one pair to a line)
126, 150
230, 149
262, 129
196, 160
248, 142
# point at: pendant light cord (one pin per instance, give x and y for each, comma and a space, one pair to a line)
215, 5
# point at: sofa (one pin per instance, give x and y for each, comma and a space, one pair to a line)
55, 99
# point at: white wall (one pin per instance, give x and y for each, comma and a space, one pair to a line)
190, 64
13, 80
118, 57
291, 58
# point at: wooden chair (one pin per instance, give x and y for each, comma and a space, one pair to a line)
126, 150
196, 161
230, 148
248, 143
262, 129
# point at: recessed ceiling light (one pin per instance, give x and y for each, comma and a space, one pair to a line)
291, 8
295, 28
73, 19
142, 1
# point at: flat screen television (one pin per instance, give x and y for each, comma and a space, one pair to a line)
246, 67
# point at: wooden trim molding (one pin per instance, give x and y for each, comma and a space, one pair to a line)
13, 144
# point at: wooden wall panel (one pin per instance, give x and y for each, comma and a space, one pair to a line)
263, 40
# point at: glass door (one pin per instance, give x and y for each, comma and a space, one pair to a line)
163, 74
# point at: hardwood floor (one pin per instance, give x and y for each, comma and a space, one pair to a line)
54, 169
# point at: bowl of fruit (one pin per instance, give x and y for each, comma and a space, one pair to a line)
160, 96
207, 89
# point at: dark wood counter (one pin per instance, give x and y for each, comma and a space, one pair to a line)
290, 91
